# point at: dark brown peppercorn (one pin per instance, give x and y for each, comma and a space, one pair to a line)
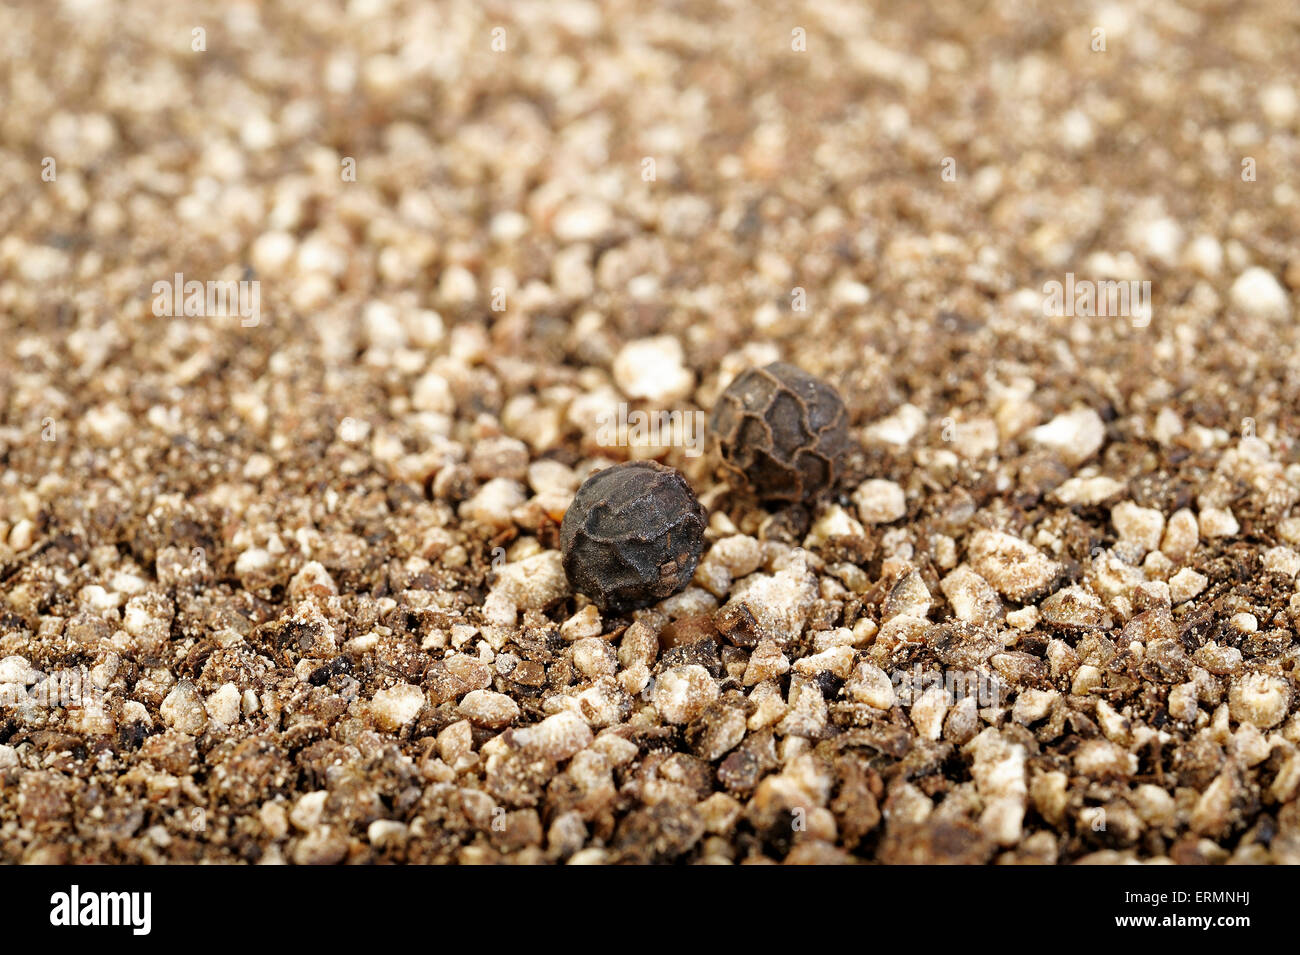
632, 535
781, 432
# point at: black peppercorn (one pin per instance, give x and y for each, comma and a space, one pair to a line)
781, 432
632, 535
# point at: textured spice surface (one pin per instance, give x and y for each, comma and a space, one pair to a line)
781, 432
632, 535
292, 590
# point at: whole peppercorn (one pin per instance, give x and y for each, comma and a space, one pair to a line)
781, 432
632, 535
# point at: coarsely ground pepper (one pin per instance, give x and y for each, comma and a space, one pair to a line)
303, 576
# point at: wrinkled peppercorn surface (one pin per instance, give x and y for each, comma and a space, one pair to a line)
632, 535
781, 432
